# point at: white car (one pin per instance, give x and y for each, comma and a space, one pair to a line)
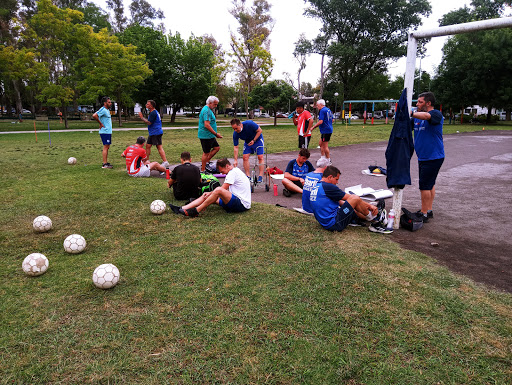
25, 111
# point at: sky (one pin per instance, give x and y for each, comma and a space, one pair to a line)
200, 17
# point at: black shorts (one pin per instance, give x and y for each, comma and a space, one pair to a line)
155, 140
428, 170
343, 217
325, 137
208, 144
304, 141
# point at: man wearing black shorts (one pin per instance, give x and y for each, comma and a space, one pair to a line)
155, 131
429, 147
325, 124
207, 131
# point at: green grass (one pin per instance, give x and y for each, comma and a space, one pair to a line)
261, 297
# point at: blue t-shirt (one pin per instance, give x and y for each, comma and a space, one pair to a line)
106, 120
324, 201
310, 183
325, 115
247, 134
206, 115
428, 137
299, 171
155, 128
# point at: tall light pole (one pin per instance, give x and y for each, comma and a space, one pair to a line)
336, 106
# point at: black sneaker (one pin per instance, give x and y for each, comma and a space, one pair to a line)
357, 222
287, 193
107, 165
378, 227
175, 209
192, 212
422, 216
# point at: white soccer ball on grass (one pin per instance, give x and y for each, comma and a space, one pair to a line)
74, 244
35, 264
42, 224
71, 160
105, 276
157, 207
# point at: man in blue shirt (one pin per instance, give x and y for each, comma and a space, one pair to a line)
429, 147
295, 173
102, 116
252, 136
325, 124
334, 209
311, 181
155, 131
207, 131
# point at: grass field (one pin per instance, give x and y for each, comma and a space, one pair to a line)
261, 297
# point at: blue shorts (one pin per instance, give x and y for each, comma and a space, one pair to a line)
234, 205
106, 139
257, 148
428, 170
343, 217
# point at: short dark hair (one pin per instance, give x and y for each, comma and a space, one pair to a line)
300, 104
141, 140
104, 99
223, 162
331, 171
152, 102
428, 97
304, 152
185, 155
235, 121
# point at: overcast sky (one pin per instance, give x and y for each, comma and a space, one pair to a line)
201, 17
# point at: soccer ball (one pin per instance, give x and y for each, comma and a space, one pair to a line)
105, 276
157, 207
35, 264
71, 160
74, 244
42, 224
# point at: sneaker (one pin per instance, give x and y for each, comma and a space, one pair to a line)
107, 165
260, 179
175, 209
378, 227
192, 212
357, 222
382, 214
165, 164
422, 216
287, 193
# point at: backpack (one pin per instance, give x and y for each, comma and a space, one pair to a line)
208, 183
410, 221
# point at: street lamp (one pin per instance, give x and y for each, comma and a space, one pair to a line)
336, 106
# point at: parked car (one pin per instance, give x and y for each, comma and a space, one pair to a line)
281, 115
354, 117
25, 111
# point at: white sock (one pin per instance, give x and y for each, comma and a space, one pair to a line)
370, 216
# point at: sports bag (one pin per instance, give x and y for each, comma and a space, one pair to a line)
410, 221
208, 183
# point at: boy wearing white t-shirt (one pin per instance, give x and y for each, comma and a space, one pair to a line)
234, 195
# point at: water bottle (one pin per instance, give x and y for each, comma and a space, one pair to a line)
275, 190
167, 174
391, 219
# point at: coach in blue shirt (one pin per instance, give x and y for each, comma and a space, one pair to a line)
252, 136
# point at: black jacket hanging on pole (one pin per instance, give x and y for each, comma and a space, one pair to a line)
400, 147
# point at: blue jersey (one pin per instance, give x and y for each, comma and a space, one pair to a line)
106, 120
247, 134
155, 128
324, 201
294, 169
206, 115
428, 137
325, 115
310, 183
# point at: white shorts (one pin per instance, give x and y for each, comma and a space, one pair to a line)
144, 172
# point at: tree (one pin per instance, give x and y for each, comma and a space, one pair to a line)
273, 96
143, 13
119, 20
360, 39
95, 17
303, 48
476, 67
251, 50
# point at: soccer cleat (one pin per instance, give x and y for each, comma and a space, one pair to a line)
381, 215
175, 209
287, 193
107, 165
260, 179
192, 212
378, 227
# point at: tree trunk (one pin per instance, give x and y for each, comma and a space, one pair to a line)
65, 116
119, 109
488, 120
507, 114
321, 77
17, 97
275, 117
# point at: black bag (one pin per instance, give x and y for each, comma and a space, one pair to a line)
208, 183
410, 221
